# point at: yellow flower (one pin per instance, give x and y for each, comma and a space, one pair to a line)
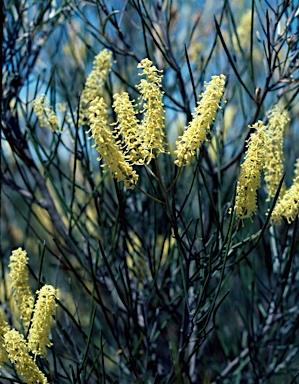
250, 177
152, 126
274, 169
18, 354
45, 114
107, 147
4, 328
20, 284
42, 320
203, 116
128, 128
288, 205
94, 82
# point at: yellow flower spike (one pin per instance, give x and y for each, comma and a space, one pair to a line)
94, 82
45, 114
4, 328
107, 147
42, 320
128, 128
274, 169
20, 284
203, 116
250, 177
152, 126
288, 205
18, 354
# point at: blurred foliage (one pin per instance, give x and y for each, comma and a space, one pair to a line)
181, 292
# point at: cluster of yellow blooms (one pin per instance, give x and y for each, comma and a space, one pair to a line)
273, 170
135, 142
152, 126
203, 117
45, 114
94, 83
127, 127
288, 205
18, 353
42, 320
20, 282
131, 142
107, 146
93, 86
37, 318
250, 177
265, 153
4, 328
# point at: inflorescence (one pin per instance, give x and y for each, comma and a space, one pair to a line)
46, 116
203, 117
37, 317
250, 177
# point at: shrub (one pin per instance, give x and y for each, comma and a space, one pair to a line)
131, 178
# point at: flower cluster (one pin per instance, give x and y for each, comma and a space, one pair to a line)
131, 141
203, 117
288, 205
20, 284
152, 125
107, 146
18, 353
265, 152
45, 114
273, 170
13, 346
4, 328
127, 128
42, 320
94, 83
250, 177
